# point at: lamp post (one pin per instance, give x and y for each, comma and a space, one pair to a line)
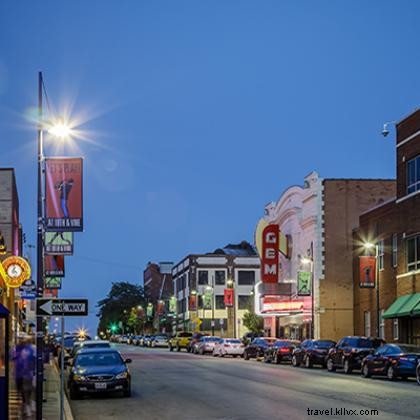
310, 260
231, 285
369, 246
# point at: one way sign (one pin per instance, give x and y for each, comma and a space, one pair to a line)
61, 307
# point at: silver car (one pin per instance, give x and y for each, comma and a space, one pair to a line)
229, 346
159, 341
206, 345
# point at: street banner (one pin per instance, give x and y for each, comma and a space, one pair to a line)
228, 297
367, 271
149, 310
52, 282
160, 307
192, 303
63, 194
304, 280
172, 305
58, 243
270, 254
50, 292
208, 299
54, 265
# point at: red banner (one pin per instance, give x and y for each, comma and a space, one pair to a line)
54, 265
63, 194
229, 296
160, 308
367, 271
50, 292
270, 254
192, 303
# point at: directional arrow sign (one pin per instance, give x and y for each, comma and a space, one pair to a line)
61, 307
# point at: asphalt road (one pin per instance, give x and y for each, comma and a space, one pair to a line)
180, 386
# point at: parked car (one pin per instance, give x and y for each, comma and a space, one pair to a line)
179, 341
98, 371
143, 340
349, 352
280, 351
312, 352
159, 341
418, 373
123, 339
148, 340
206, 345
229, 347
250, 336
392, 361
258, 347
194, 341
135, 340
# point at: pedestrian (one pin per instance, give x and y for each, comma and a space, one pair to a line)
24, 359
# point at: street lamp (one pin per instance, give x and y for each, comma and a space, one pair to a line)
369, 246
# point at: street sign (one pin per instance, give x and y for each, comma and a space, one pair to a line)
61, 307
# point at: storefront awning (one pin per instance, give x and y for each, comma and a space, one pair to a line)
406, 305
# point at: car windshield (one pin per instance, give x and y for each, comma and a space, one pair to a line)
213, 339
410, 349
233, 341
323, 344
360, 342
98, 359
96, 345
283, 343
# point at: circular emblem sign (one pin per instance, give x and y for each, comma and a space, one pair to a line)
17, 271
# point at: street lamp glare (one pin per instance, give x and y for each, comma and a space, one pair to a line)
60, 130
305, 260
369, 245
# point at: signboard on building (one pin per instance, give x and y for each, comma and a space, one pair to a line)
281, 306
160, 307
54, 265
58, 243
52, 282
63, 194
228, 297
367, 271
304, 280
270, 254
192, 303
15, 271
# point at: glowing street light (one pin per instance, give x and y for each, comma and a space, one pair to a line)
60, 129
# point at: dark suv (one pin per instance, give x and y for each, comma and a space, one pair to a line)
349, 352
258, 347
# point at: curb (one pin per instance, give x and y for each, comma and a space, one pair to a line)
68, 415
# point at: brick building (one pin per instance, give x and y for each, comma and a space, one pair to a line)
319, 218
394, 227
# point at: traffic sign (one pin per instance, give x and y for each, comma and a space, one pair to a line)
61, 307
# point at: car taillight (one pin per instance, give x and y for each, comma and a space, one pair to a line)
284, 350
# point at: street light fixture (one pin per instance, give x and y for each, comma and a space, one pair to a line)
369, 246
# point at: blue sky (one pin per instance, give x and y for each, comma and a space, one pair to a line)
199, 113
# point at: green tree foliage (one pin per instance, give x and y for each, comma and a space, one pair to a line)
253, 322
118, 304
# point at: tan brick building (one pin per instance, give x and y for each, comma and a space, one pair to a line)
395, 228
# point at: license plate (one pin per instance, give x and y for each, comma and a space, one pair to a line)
100, 385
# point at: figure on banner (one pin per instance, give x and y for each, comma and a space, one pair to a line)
64, 187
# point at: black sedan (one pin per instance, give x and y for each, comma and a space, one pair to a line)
258, 347
280, 351
98, 371
392, 361
311, 352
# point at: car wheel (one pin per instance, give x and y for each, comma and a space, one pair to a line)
221, 354
214, 354
365, 371
153, 344
330, 365
266, 359
308, 362
74, 395
346, 367
202, 351
178, 348
276, 359
171, 348
390, 373
246, 356
418, 374
295, 363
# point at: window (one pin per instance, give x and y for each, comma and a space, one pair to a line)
220, 302
220, 277
394, 250
367, 324
244, 301
381, 253
413, 253
382, 324
203, 277
246, 278
395, 330
413, 175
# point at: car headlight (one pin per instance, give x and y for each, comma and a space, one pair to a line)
79, 378
122, 375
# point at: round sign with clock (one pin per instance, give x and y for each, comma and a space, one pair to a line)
16, 270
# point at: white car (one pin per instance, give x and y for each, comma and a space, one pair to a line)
229, 346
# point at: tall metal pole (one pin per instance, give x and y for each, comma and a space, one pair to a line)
62, 371
40, 268
212, 306
312, 292
378, 322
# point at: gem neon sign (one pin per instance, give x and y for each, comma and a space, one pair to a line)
282, 306
14, 271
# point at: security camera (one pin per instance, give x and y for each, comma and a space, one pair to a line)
385, 130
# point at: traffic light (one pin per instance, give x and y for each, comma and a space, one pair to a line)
113, 328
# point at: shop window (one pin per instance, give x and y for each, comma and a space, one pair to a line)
246, 278
220, 302
244, 301
413, 253
367, 324
395, 329
220, 276
394, 250
203, 277
381, 254
413, 175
